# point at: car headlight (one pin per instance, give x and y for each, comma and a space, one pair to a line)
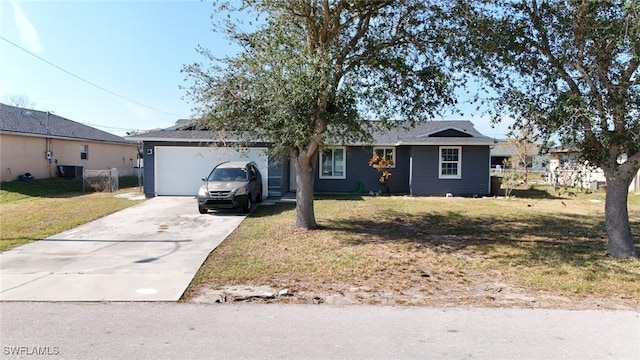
241, 191
203, 192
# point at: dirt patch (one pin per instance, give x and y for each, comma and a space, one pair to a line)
484, 292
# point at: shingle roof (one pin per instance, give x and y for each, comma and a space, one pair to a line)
173, 134
41, 123
421, 134
401, 135
506, 149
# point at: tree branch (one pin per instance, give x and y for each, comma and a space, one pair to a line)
580, 39
633, 65
312, 32
325, 22
362, 27
545, 49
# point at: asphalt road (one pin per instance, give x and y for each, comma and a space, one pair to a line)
250, 331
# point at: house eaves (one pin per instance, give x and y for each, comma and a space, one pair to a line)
445, 141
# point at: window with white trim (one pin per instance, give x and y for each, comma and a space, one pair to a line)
387, 153
84, 152
450, 164
333, 164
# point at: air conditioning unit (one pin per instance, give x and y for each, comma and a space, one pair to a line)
70, 171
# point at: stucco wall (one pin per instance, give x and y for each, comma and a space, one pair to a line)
21, 154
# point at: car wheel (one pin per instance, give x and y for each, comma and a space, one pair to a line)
202, 210
247, 205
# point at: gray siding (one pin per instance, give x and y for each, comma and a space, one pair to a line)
475, 172
278, 177
359, 172
360, 176
149, 178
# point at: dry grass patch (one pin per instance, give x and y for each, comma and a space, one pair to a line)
535, 251
42, 208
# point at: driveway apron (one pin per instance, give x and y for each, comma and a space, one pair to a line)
148, 252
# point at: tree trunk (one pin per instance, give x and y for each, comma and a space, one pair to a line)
620, 242
305, 169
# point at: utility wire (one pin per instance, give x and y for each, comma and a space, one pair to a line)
87, 81
110, 127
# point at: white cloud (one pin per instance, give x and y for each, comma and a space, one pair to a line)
28, 33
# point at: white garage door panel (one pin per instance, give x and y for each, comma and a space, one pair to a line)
179, 170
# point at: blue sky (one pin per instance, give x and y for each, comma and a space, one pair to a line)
134, 49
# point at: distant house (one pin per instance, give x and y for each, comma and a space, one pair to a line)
504, 150
567, 168
47, 145
434, 158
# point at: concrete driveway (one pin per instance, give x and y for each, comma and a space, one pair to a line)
148, 252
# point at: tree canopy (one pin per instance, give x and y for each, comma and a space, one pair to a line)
570, 69
312, 70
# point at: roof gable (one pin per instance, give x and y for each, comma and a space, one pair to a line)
42, 123
436, 132
451, 132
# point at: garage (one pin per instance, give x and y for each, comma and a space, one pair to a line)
178, 170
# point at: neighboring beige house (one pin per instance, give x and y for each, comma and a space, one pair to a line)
43, 144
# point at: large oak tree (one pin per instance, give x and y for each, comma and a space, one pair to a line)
569, 67
311, 70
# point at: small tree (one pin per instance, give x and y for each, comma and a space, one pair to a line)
382, 165
522, 139
510, 178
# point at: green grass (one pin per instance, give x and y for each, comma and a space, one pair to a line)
38, 209
549, 243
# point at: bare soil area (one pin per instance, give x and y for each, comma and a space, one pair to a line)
482, 291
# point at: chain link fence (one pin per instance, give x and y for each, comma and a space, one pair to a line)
100, 180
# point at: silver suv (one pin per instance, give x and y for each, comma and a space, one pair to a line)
230, 185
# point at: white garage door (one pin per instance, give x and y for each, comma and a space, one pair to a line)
179, 170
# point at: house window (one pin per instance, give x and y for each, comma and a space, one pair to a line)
332, 164
84, 152
450, 162
387, 153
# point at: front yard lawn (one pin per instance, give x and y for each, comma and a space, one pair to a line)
41, 208
538, 250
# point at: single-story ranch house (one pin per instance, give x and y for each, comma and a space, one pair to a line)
44, 144
434, 158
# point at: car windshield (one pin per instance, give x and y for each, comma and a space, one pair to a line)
228, 174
